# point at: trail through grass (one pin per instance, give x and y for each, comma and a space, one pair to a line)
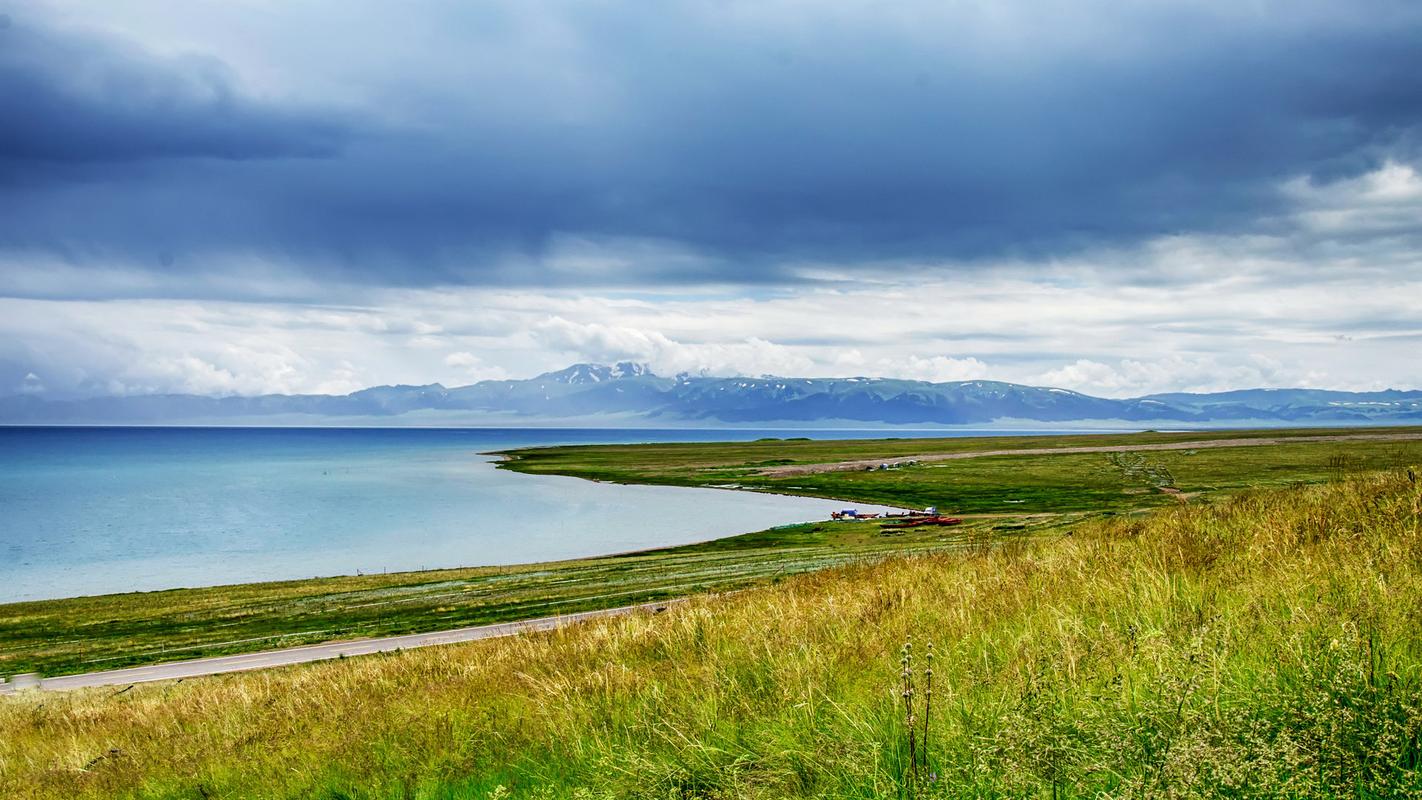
1268, 644
89, 634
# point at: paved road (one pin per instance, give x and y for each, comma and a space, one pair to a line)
321, 652
1205, 444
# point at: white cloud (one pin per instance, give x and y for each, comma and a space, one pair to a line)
943, 368
1386, 201
469, 367
599, 342
1309, 305
225, 370
463, 360
1081, 374
1209, 373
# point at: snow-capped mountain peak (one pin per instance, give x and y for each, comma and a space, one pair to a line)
583, 374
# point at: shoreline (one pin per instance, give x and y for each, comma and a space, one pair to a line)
503, 457
615, 528
466, 568
61, 637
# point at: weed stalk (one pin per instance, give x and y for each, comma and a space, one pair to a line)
927, 700
910, 723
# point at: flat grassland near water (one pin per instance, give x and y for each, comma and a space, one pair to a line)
89, 634
1028, 495
994, 484
1265, 644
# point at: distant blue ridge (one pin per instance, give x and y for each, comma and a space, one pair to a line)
629, 394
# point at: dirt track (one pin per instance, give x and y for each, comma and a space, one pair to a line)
243, 662
850, 466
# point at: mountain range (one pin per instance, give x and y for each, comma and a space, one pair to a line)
628, 394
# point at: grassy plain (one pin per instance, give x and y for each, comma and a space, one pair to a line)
1037, 494
990, 484
87, 634
1266, 643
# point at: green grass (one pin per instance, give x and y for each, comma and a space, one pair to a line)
112, 631
1266, 643
993, 484
87, 634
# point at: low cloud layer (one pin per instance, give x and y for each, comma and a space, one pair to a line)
1235, 311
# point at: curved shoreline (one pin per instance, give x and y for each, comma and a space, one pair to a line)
250, 515
513, 566
232, 617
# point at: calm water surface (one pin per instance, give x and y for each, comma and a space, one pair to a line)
97, 510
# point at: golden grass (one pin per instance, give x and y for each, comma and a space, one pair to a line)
1264, 646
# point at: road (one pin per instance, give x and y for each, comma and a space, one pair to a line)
321, 652
1205, 444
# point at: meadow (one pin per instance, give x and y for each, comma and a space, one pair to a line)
1262, 643
1015, 496
87, 634
1035, 483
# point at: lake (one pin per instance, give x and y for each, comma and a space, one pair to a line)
99, 510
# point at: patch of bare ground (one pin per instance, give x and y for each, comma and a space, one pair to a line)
859, 464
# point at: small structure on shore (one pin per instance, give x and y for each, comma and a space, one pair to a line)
850, 513
930, 513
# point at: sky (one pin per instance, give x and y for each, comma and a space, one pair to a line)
251, 196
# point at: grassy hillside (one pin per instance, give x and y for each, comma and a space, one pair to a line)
87, 634
1266, 645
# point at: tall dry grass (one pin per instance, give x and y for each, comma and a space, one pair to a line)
1266, 646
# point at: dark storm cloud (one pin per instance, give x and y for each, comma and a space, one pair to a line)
89, 99
610, 143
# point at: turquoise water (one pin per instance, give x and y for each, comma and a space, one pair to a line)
98, 510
